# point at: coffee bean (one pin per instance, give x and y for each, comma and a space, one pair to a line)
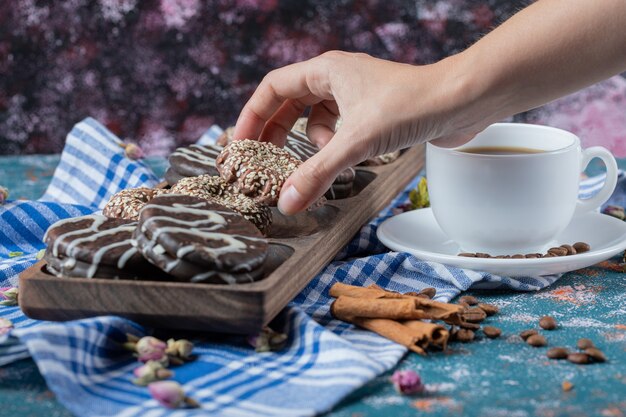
557, 353
547, 323
583, 344
596, 354
536, 340
557, 251
464, 304
489, 309
492, 332
464, 335
470, 326
471, 300
467, 255
567, 386
527, 333
570, 249
482, 255
579, 358
581, 247
430, 292
533, 255
474, 315
517, 256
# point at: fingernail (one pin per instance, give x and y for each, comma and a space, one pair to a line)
290, 200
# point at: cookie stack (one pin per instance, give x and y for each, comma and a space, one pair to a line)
175, 237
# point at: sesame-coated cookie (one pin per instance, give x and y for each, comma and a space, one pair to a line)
127, 203
214, 188
256, 169
197, 240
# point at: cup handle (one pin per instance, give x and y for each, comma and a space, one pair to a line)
610, 182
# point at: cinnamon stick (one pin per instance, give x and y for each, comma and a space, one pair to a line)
381, 308
435, 310
394, 331
437, 334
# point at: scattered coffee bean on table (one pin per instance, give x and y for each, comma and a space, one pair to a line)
492, 332
474, 315
536, 340
527, 333
567, 386
463, 304
470, 326
469, 299
557, 353
547, 323
595, 354
584, 343
578, 358
464, 335
489, 309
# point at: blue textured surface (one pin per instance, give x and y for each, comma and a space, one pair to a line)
501, 377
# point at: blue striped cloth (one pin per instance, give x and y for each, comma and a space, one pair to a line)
324, 359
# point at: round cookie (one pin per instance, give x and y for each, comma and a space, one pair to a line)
226, 137
342, 187
256, 169
127, 203
214, 188
194, 160
200, 241
96, 246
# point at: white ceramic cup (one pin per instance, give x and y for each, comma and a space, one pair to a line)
510, 204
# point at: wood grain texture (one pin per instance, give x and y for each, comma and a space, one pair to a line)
301, 246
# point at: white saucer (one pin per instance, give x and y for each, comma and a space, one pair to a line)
417, 232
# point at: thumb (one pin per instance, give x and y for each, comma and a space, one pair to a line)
315, 176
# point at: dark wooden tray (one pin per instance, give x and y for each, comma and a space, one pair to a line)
301, 246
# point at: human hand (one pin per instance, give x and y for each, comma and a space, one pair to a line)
384, 106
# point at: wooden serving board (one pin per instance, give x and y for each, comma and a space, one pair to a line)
300, 246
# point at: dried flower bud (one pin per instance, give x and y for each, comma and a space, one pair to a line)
407, 382
170, 394
150, 348
181, 348
268, 340
419, 196
9, 296
615, 211
151, 371
5, 326
133, 151
4, 194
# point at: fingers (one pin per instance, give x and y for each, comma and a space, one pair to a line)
321, 124
315, 176
275, 130
305, 81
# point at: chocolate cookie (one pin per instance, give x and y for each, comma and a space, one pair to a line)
226, 137
256, 169
215, 189
194, 160
127, 203
200, 241
299, 146
96, 246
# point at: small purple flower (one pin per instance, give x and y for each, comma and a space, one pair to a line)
149, 372
5, 326
615, 211
150, 348
407, 382
133, 151
9, 296
170, 394
4, 194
